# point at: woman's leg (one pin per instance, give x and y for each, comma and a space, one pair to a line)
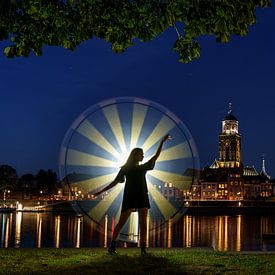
122, 220
142, 216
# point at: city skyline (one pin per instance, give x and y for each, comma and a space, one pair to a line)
41, 96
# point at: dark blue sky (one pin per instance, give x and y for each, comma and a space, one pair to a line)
41, 96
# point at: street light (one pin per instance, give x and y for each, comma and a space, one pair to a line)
6, 191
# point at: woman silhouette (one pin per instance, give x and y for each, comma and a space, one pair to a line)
135, 195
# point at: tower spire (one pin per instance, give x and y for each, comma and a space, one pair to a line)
229, 108
263, 172
263, 166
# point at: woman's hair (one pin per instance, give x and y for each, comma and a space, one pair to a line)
131, 161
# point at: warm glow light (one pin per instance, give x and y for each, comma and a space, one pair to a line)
57, 231
39, 230
99, 144
111, 113
18, 223
78, 229
90, 132
121, 160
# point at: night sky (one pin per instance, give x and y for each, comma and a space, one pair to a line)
41, 96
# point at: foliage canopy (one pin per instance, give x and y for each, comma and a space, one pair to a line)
28, 25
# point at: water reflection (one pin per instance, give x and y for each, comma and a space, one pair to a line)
18, 222
38, 230
223, 233
57, 231
78, 232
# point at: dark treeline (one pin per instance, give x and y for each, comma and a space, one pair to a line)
45, 181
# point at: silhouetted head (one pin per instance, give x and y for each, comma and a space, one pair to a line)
135, 157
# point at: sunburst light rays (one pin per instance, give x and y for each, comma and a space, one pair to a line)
102, 207
88, 130
77, 158
165, 207
179, 151
179, 181
99, 143
90, 185
164, 125
112, 116
139, 113
118, 214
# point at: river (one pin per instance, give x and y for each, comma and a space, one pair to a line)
223, 233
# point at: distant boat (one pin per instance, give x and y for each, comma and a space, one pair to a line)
7, 209
268, 236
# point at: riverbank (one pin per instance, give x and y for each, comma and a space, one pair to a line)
129, 261
197, 208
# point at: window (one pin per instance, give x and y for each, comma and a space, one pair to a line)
227, 153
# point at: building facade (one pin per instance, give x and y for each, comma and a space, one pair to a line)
227, 178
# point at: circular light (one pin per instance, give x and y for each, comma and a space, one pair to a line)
99, 142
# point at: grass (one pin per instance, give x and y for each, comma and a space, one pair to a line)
129, 261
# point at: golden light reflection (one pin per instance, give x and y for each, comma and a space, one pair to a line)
169, 242
220, 235
39, 229
239, 233
105, 231
18, 223
188, 231
226, 233
6, 244
78, 231
57, 231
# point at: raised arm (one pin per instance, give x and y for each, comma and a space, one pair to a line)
109, 186
165, 138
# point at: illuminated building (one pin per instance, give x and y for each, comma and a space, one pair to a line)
227, 178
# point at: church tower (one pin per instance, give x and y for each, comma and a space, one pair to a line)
230, 142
